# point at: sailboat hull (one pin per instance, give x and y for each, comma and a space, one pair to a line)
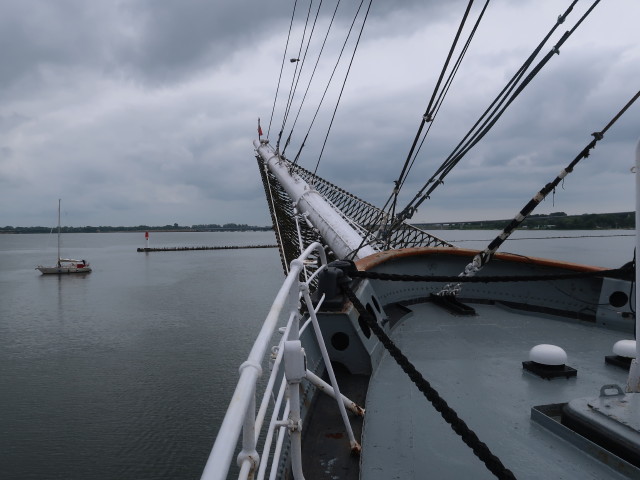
63, 270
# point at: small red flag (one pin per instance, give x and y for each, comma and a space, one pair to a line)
259, 129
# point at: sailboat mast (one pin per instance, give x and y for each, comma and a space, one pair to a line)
58, 232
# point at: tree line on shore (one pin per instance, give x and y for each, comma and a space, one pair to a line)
554, 221
212, 227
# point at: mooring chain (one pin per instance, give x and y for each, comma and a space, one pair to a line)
458, 425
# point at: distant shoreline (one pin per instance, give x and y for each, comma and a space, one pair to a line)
102, 229
553, 221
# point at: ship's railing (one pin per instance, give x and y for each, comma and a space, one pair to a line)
289, 363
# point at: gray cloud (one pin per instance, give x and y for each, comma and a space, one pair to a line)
144, 112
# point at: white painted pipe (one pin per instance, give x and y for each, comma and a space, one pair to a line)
633, 382
324, 387
637, 242
355, 446
337, 232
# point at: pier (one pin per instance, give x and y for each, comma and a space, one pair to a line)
184, 249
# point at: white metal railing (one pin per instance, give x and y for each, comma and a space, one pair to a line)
287, 358
633, 382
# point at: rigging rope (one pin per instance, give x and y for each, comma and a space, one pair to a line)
482, 258
296, 75
284, 55
468, 436
274, 213
408, 211
335, 67
555, 237
355, 48
304, 97
626, 272
309, 85
429, 113
489, 118
445, 90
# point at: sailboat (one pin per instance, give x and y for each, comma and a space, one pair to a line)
64, 265
391, 353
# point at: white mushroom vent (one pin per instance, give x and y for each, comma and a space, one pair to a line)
625, 348
549, 361
548, 355
624, 352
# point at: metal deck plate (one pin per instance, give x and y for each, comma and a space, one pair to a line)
476, 365
622, 409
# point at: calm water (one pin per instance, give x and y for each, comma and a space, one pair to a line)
125, 373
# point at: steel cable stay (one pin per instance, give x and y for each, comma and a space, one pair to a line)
284, 55
429, 117
375, 224
298, 73
266, 180
482, 258
444, 91
295, 161
328, 84
309, 85
498, 101
315, 21
355, 49
504, 103
428, 114
294, 77
324, 42
434, 112
552, 237
381, 221
516, 85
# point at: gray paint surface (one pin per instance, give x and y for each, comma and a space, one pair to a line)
476, 365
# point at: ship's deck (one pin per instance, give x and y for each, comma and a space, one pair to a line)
475, 363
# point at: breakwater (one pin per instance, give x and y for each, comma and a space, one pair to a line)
185, 249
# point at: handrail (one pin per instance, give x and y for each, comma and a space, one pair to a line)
240, 415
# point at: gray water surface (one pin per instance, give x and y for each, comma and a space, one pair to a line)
125, 373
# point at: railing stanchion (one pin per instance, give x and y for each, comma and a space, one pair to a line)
241, 417
248, 458
355, 446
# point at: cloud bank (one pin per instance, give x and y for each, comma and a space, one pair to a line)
144, 112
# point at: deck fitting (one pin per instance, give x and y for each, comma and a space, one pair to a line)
450, 303
549, 371
618, 361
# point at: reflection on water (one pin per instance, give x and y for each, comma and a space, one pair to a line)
71, 283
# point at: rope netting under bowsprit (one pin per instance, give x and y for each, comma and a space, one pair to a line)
284, 223
360, 213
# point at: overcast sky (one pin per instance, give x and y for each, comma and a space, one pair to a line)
144, 111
